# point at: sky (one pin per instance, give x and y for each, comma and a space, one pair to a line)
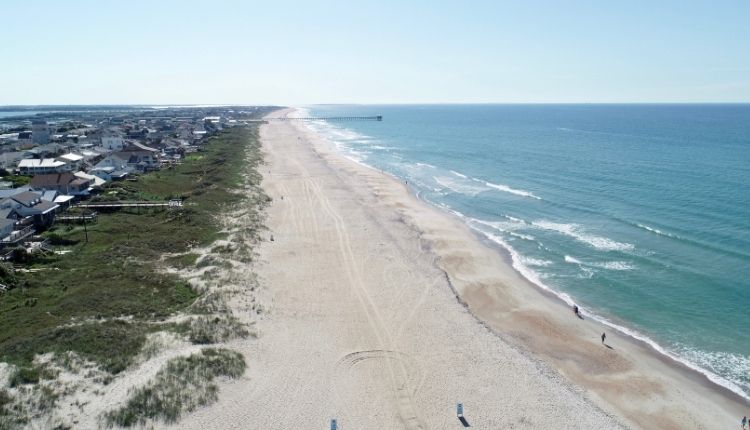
376, 51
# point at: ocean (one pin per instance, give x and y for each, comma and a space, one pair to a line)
640, 214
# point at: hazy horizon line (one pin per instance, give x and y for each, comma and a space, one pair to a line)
152, 105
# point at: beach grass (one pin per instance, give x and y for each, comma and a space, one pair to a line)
108, 293
182, 385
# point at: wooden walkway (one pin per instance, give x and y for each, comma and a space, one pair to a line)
18, 236
91, 217
142, 204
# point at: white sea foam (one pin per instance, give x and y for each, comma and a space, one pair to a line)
614, 265
523, 269
461, 187
529, 261
608, 265
503, 226
655, 230
518, 220
519, 264
736, 366
425, 165
507, 189
522, 236
460, 175
575, 231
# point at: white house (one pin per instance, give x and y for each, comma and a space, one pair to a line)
73, 160
113, 166
112, 141
115, 161
35, 166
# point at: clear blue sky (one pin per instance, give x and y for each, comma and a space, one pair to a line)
289, 52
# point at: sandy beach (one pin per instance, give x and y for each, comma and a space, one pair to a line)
385, 312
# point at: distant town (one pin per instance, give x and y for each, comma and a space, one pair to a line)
53, 159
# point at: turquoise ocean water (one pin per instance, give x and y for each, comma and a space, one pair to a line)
638, 213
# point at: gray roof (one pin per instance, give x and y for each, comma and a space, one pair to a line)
45, 206
27, 198
13, 191
49, 196
5, 213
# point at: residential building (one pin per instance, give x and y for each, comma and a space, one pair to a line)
112, 141
46, 165
30, 204
73, 160
40, 132
63, 183
94, 181
24, 137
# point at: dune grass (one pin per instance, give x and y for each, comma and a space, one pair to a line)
184, 384
104, 297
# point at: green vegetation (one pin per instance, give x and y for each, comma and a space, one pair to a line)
17, 180
182, 261
181, 386
107, 294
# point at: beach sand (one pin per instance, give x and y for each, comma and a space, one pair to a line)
385, 312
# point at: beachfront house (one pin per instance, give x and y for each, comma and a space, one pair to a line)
36, 166
142, 161
30, 204
114, 161
113, 167
64, 183
94, 181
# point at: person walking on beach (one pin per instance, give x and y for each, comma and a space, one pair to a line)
744, 422
604, 337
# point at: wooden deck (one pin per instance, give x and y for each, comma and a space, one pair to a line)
141, 204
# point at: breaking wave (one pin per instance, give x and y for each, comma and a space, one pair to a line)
577, 233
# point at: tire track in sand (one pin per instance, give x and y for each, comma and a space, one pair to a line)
399, 380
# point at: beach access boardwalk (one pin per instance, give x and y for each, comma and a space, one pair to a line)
132, 204
90, 217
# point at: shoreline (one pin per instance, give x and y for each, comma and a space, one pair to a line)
361, 326
636, 338
696, 373
636, 343
701, 375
